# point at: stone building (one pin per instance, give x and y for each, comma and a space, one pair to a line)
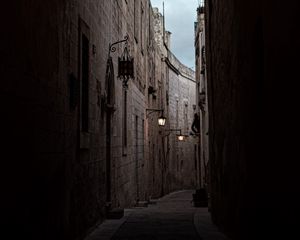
252, 51
77, 144
202, 98
181, 99
178, 97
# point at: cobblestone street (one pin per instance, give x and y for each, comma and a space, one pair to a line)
171, 217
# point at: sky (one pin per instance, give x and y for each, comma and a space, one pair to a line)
180, 16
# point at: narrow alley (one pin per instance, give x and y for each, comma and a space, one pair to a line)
108, 132
170, 217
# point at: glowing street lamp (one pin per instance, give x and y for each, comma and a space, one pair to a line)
180, 137
161, 119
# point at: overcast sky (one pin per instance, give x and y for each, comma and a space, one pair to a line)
180, 16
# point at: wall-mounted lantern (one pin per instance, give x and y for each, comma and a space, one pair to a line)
161, 119
180, 137
125, 62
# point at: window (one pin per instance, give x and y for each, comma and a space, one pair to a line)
137, 157
185, 116
84, 69
136, 20
142, 28
124, 122
85, 84
143, 140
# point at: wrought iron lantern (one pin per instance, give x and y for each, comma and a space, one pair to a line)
161, 119
125, 62
180, 136
125, 69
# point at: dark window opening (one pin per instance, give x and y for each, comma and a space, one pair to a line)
85, 83
125, 124
135, 20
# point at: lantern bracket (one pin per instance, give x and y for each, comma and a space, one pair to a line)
180, 135
173, 130
112, 47
152, 110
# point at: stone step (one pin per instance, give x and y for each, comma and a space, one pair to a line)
115, 213
141, 204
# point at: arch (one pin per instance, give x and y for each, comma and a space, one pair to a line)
110, 84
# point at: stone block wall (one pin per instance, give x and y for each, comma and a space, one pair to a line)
202, 99
63, 108
181, 155
252, 59
39, 136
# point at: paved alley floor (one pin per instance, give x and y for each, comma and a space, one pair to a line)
171, 217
